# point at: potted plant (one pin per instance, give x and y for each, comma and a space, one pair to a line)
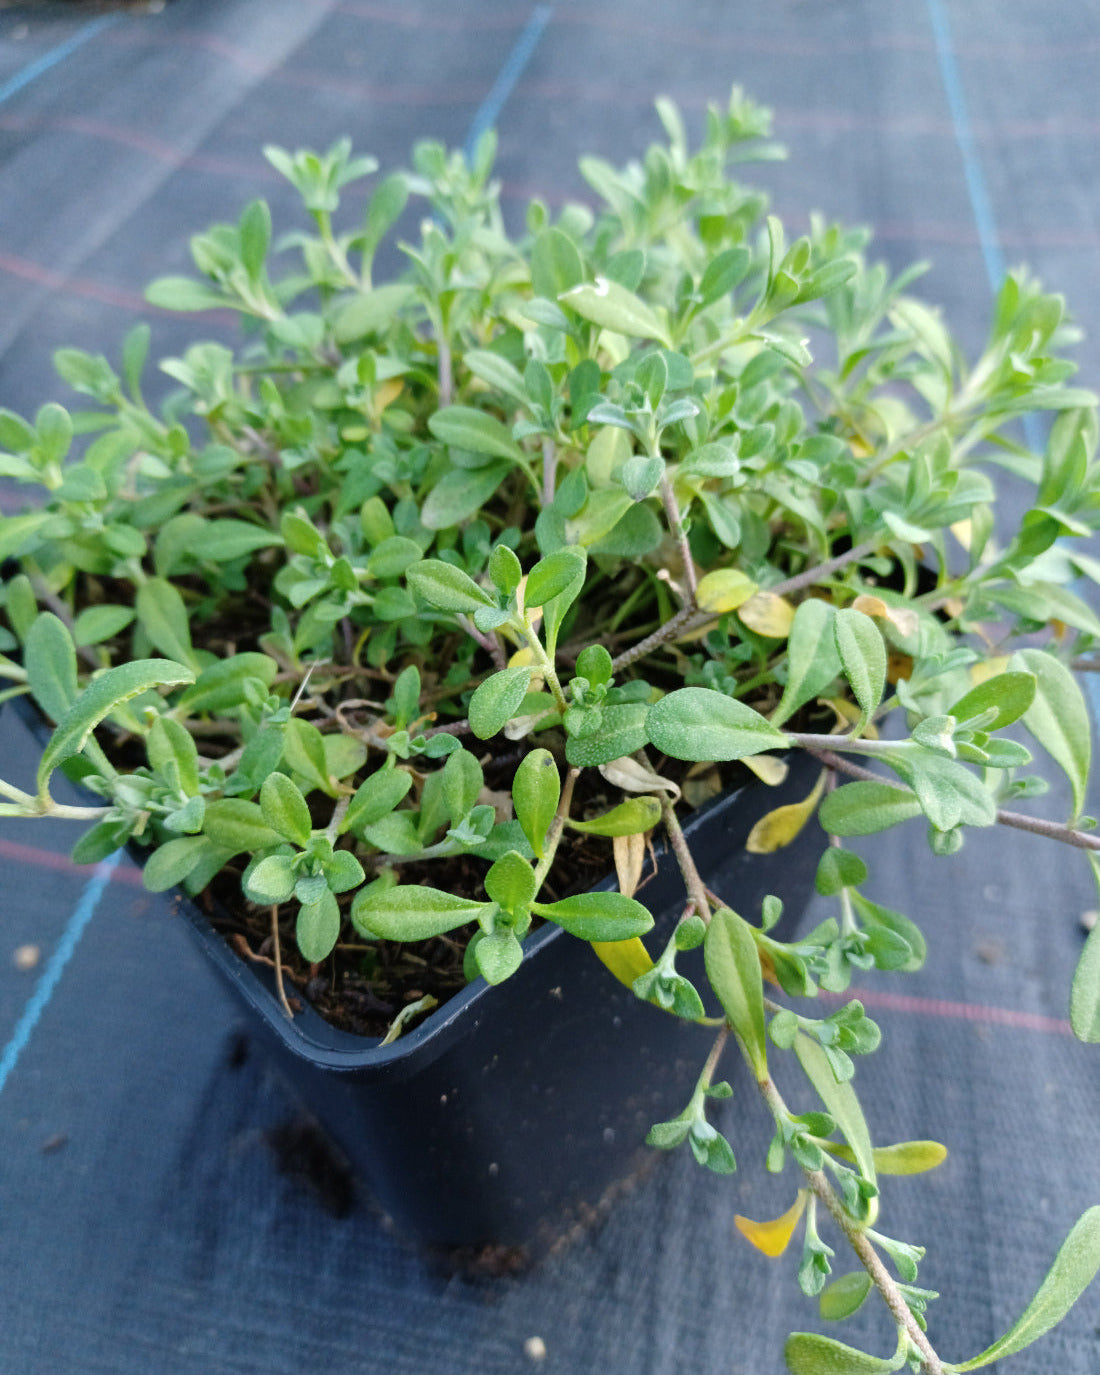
386, 636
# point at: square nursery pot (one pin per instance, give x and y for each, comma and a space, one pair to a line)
508, 1115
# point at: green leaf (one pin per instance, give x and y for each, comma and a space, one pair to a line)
50, 661
840, 1102
812, 654
285, 809
949, 794
555, 607
271, 880
98, 623
370, 312
461, 494
223, 685
807, 1353
838, 869
553, 575
99, 699
844, 1296
238, 826
1084, 998
462, 781
1058, 718
496, 700
723, 273
411, 912
163, 616
498, 956
1073, 1271
318, 928
16, 531
611, 306
447, 588
255, 232
733, 969
622, 731
1008, 694
171, 862
377, 797
632, 817
597, 916
304, 752
170, 743
556, 264
536, 790
219, 541
511, 882
183, 293
862, 656
703, 725
862, 808
465, 427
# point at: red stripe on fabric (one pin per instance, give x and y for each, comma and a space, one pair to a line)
17, 853
966, 1012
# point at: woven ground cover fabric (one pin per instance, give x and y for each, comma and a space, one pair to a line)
146, 1222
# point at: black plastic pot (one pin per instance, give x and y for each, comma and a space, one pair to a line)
512, 1110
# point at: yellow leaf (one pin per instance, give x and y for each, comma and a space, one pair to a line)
780, 827
523, 658
385, 394
768, 615
985, 669
767, 768
903, 618
626, 959
963, 530
773, 1237
629, 859
724, 590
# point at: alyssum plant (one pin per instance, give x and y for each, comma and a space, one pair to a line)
581, 502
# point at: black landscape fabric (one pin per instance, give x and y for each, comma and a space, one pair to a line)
158, 1211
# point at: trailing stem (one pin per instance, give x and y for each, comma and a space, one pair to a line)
880, 1277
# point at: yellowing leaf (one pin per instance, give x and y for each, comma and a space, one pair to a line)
385, 394
773, 1237
779, 828
627, 959
768, 615
963, 530
724, 590
870, 606
768, 768
906, 1157
847, 714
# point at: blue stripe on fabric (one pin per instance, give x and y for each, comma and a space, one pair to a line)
35, 69
488, 112
984, 217
980, 203
51, 975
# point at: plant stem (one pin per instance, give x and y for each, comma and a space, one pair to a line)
854, 1235
279, 964
557, 827
676, 525
820, 571
549, 470
697, 889
489, 643
661, 636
